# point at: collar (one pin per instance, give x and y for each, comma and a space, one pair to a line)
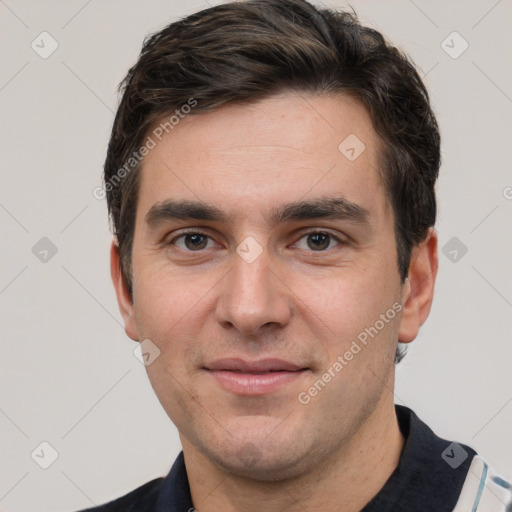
429, 475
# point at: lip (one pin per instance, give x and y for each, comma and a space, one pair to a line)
254, 377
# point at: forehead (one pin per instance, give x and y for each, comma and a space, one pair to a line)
250, 157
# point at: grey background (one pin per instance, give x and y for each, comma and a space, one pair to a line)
68, 373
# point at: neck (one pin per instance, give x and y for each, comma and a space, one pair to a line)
346, 481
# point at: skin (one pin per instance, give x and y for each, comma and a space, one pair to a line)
293, 302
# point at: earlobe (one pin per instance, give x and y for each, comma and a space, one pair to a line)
418, 290
124, 298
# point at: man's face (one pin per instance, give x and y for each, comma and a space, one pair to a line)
282, 256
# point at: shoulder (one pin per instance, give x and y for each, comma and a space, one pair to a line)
169, 493
437, 474
140, 500
484, 490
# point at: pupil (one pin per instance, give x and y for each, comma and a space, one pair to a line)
195, 241
318, 241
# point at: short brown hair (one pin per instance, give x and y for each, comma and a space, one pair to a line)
244, 51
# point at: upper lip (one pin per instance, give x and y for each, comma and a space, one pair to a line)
261, 365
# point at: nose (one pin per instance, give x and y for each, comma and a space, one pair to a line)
253, 297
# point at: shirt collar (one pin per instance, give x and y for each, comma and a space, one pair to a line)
423, 477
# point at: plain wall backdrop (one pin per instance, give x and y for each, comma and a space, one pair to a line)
68, 373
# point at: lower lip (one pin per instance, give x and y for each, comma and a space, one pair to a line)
254, 384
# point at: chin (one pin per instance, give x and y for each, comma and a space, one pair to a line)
259, 466
264, 458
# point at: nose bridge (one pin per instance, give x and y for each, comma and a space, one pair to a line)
252, 295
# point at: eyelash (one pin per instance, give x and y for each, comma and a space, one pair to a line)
337, 239
340, 242
185, 233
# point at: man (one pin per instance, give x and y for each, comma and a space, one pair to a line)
270, 178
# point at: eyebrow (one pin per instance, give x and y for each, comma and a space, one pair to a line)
337, 208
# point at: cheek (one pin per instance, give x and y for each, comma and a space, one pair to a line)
345, 316
346, 302
167, 311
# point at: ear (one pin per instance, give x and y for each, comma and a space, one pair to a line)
124, 299
418, 289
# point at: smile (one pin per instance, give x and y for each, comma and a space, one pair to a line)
256, 377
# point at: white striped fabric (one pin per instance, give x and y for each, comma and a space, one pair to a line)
484, 491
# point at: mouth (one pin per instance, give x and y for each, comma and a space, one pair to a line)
254, 377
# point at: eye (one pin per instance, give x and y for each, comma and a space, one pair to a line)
318, 241
192, 241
